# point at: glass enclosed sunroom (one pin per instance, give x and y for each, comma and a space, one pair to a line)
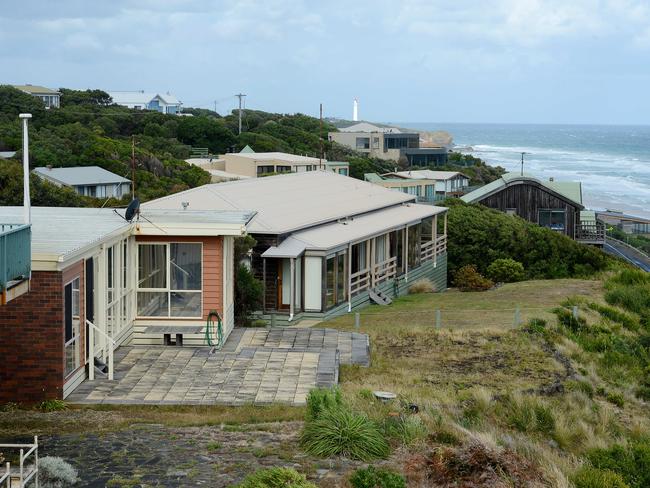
329, 269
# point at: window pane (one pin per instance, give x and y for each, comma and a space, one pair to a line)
341, 278
186, 304
153, 303
152, 267
185, 266
330, 282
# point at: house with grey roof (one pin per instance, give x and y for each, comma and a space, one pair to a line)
51, 98
328, 244
140, 100
427, 185
90, 181
389, 143
548, 203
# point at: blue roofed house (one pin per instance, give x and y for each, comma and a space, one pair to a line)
165, 103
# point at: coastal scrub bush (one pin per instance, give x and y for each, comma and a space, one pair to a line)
54, 472
506, 270
339, 431
468, 278
422, 286
479, 235
372, 477
566, 318
277, 477
404, 428
52, 406
590, 477
321, 399
632, 462
527, 414
610, 313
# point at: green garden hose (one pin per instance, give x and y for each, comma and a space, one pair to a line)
210, 330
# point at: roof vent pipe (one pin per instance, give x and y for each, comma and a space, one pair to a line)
551, 179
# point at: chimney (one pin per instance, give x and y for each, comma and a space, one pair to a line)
49, 167
551, 179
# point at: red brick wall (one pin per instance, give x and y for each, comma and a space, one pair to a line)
212, 269
31, 342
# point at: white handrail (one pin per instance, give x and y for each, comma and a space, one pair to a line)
24, 476
110, 344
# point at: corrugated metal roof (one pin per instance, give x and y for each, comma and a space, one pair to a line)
36, 89
286, 203
427, 174
569, 189
81, 175
275, 156
337, 234
366, 127
60, 231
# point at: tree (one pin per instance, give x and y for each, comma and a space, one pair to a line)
248, 289
206, 132
84, 97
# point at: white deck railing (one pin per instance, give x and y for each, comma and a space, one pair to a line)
441, 244
25, 472
359, 281
109, 346
384, 271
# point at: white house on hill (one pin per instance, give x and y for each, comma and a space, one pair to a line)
141, 100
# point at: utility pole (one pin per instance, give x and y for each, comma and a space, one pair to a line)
215, 105
320, 139
240, 96
522, 163
132, 167
27, 206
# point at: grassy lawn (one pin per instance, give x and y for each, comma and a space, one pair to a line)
479, 310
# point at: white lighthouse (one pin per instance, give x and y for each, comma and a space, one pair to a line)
355, 110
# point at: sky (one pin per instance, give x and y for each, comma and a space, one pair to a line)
501, 61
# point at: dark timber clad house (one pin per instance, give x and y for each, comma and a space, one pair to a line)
552, 204
324, 241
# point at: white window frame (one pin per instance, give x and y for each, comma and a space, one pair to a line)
168, 289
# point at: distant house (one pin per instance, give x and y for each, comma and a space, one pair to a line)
90, 181
389, 143
553, 204
140, 100
629, 224
325, 242
429, 186
250, 164
51, 98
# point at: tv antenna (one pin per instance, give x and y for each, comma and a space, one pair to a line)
132, 212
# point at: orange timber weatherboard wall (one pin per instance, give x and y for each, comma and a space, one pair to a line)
212, 273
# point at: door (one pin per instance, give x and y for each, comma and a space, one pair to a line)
283, 284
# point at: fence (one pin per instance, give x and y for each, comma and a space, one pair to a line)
447, 318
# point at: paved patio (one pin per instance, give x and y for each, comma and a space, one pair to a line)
258, 366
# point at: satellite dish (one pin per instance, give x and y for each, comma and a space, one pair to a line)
132, 210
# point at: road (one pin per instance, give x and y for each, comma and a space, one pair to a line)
622, 251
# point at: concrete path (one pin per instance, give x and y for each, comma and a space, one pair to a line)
257, 366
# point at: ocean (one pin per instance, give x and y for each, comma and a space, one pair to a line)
613, 162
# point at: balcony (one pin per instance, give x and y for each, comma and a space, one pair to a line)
15, 260
591, 233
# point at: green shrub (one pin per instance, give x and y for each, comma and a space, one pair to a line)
565, 317
615, 398
276, 478
54, 472
505, 270
406, 428
643, 392
535, 326
468, 278
631, 462
631, 277
634, 298
321, 399
581, 386
626, 320
527, 414
52, 406
588, 477
372, 477
338, 431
